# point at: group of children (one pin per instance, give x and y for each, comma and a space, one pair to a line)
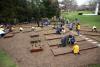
72, 40
72, 25
6, 29
66, 40
69, 39
21, 28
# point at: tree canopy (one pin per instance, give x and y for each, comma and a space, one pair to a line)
25, 10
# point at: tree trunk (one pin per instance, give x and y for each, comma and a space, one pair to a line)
37, 21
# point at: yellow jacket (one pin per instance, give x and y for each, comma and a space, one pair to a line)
76, 48
78, 27
2, 29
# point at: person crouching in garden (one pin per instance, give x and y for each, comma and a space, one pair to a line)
76, 49
67, 40
94, 29
21, 29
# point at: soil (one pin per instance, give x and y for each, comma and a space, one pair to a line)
19, 46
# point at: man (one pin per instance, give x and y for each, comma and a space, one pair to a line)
94, 29
76, 49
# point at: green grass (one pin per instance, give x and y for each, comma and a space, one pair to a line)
5, 60
94, 65
87, 20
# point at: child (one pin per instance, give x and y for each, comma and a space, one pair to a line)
71, 26
71, 39
58, 30
63, 31
53, 26
64, 41
2, 33
94, 29
78, 28
33, 28
21, 29
76, 49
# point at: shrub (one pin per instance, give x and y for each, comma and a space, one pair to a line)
80, 13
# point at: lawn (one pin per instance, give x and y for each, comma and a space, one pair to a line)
87, 20
94, 65
5, 60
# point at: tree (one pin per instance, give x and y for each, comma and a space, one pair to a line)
93, 3
69, 5
7, 11
24, 10
51, 8
45, 8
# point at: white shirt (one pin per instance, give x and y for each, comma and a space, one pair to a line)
2, 32
21, 28
64, 31
33, 27
94, 27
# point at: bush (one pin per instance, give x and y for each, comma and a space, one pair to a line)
80, 13
98, 13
